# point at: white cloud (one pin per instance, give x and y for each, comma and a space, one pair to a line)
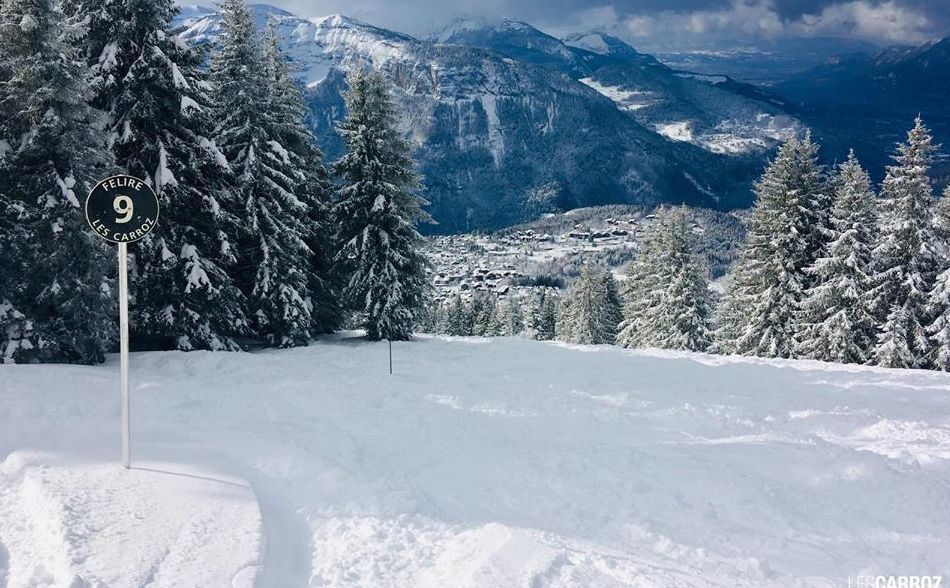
749, 18
886, 21
597, 17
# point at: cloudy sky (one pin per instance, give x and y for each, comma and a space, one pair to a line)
659, 23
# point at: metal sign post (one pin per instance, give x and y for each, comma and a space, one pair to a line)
124, 351
122, 210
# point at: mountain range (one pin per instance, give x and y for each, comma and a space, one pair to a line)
508, 122
764, 62
869, 101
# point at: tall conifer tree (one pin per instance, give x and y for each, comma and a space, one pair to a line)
667, 298
938, 303
613, 305
585, 315
384, 270
279, 179
835, 324
785, 230
55, 296
152, 88
310, 180
904, 258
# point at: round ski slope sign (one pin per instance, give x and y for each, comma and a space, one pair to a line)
122, 209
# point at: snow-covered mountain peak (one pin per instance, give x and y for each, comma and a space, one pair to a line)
341, 21
315, 44
464, 25
600, 43
268, 9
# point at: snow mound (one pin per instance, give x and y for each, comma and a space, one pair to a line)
477, 463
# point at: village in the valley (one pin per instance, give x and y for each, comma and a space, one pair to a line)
550, 252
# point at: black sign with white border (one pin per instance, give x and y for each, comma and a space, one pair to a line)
122, 209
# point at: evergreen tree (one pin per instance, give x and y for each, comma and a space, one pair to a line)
310, 181
941, 226
490, 321
668, 294
785, 230
835, 324
564, 325
154, 92
904, 259
511, 317
533, 315
485, 315
547, 320
586, 320
460, 317
473, 312
684, 312
377, 210
727, 318
612, 314
280, 180
642, 291
938, 304
55, 294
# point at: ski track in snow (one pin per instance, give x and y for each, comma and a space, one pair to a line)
478, 463
286, 537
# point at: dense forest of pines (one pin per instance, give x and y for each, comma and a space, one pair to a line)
829, 271
259, 242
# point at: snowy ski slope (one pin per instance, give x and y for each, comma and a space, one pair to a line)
478, 463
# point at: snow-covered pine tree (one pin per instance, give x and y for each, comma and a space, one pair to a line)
486, 322
816, 194
642, 291
564, 323
684, 311
938, 303
311, 182
612, 314
381, 258
727, 319
457, 318
512, 316
260, 132
428, 319
667, 296
493, 324
941, 225
152, 87
474, 308
834, 322
532, 318
769, 277
905, 263
586, 322
56, 298
94, 35
547, 321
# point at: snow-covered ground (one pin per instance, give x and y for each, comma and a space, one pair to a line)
477, 463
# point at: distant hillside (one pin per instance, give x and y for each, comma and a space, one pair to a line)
870, 101
764, 62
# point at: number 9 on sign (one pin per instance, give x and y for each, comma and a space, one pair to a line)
123, 206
